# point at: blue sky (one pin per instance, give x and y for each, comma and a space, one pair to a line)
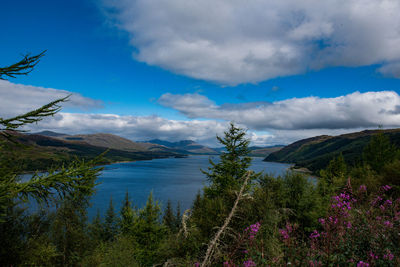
177, 69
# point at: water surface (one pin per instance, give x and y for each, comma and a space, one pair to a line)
177, 179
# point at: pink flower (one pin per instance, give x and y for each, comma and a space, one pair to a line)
249, 263
388, 224
388, 256
314, 234
362, 264
386, 187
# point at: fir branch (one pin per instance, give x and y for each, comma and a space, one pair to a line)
22, 67
32, 116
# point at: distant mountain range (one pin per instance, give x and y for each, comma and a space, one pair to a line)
41, 150
316, 152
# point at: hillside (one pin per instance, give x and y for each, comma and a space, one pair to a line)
187, 146
264, 151
316, 152
37, 152
107, 141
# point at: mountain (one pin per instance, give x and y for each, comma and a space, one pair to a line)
264, 151
107, 141
38, 152
316, 152
188, 146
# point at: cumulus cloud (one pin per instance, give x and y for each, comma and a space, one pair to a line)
391, 70
356, 110
232, 41
16, 99
133, 127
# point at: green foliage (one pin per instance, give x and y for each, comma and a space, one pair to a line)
110, 223
227, 175
148, 233
22, 67
128, 215
379, 151
169, 218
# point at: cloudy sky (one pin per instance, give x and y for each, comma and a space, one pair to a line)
182, 69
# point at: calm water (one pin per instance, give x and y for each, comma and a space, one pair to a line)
177, 179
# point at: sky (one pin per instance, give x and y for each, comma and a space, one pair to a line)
183, 69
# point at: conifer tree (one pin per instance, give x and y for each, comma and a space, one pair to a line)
229, 172
110, 223
148, 232
178, 216
169, 218
95, 228
379, 152
127, 215
70, 186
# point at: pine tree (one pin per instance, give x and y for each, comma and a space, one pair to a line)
379, 152
128, 215
169, 218
178, 216
148, 232
228, 174
110, 223
96, 231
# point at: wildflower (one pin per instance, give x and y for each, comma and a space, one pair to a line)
372, 255
314, 234
284, 233
388, 202
196, 264
249, 263
321, 221
388, 224
253, 230
348, 225
362, 264
388, 256
386, 187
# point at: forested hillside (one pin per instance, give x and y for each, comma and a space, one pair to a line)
315, 153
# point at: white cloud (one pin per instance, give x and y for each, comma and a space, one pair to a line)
356, 110
16, 99
391, 70
233, 41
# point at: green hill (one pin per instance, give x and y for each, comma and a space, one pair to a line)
316, 152
37, 152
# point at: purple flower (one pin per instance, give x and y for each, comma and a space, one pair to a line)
388, 202
249, 263
388, 256
388, 224
314, 234
196, 264
362, 264
284, 233
386, 187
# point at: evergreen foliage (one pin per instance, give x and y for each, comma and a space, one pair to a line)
110, 223
128, 215
378, 152
169, 218
227, 174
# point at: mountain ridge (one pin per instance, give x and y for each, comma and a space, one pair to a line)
315, 153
